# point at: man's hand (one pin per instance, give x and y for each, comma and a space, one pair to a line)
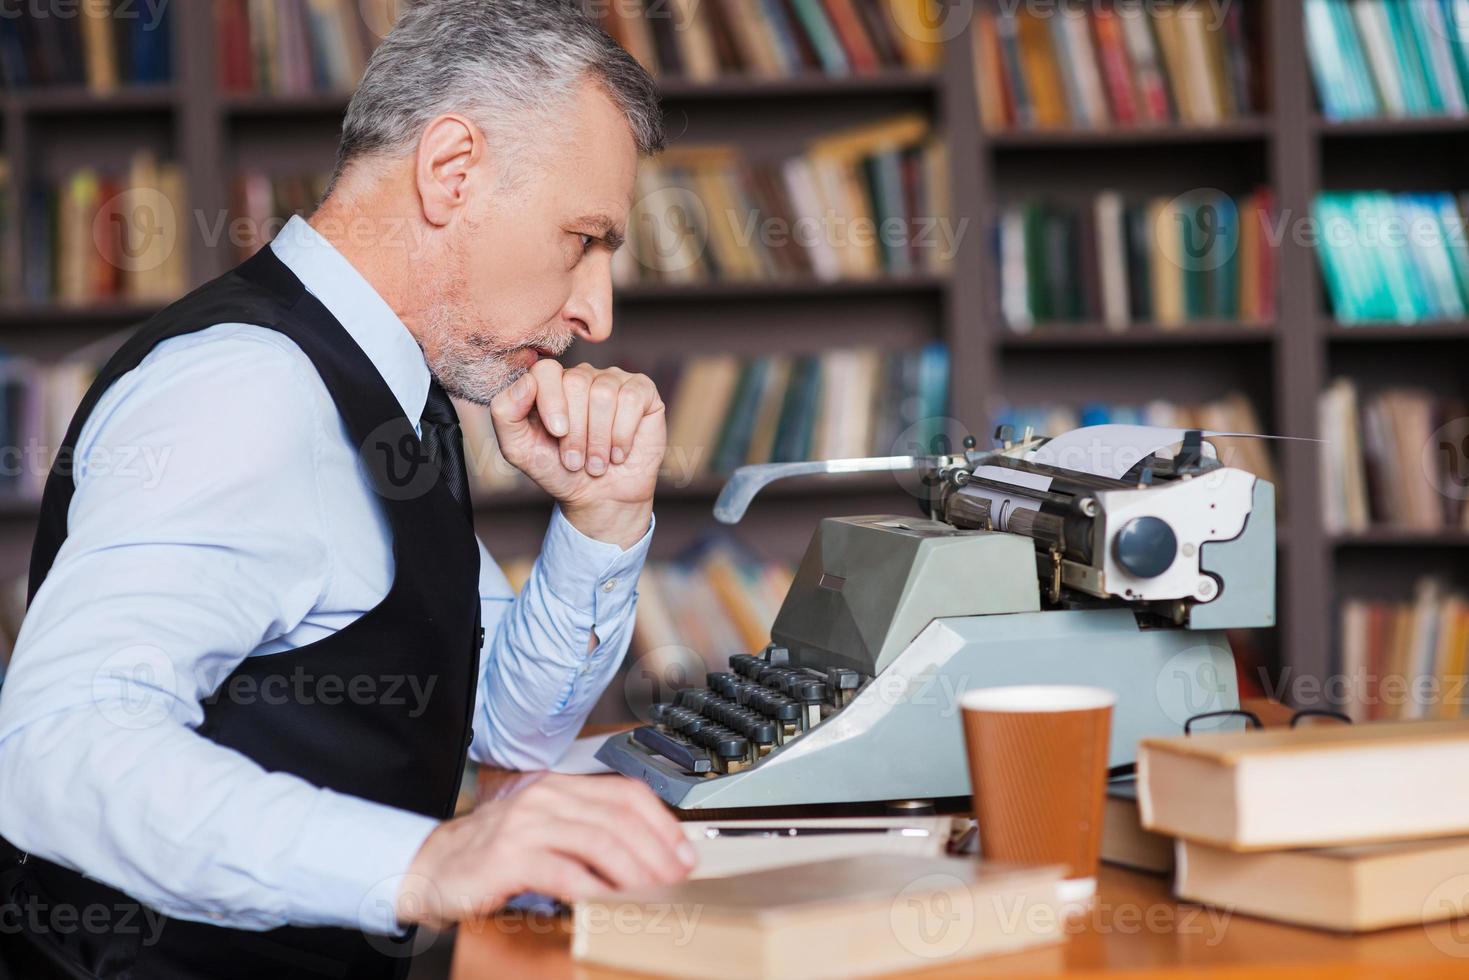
593, 438
564, 836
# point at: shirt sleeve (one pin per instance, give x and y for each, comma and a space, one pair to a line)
189, 546
538, 681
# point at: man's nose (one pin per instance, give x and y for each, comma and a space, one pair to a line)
590, 305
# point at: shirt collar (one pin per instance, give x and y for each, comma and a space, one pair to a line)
367, 317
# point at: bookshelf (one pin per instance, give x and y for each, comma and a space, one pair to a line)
1286, 146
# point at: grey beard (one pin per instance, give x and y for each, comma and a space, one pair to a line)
475, 374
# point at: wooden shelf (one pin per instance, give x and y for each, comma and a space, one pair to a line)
1235, 131
778, 288
71, 100
1198, 333
1410, 126
22, 315
1371, 333
887, 82
1396, 537
731, 88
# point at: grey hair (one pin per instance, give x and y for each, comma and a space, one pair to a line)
498, 62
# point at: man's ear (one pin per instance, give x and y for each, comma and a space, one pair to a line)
447, 164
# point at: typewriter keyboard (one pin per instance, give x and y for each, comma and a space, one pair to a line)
745, 713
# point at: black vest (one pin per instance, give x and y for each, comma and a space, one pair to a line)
376, 746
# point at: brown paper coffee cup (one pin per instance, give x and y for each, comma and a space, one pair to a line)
1038, 769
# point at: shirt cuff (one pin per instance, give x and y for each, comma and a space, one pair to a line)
352, 858
592, 576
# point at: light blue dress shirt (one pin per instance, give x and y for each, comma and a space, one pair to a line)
220, 513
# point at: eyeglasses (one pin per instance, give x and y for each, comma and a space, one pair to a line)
1250, 719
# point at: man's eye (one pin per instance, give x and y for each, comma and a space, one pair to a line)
587, 241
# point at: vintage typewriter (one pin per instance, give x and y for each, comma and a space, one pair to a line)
1112, 556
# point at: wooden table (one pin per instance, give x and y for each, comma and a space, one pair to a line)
1136, 929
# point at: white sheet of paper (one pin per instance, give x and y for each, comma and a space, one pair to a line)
580, 759
1109, 450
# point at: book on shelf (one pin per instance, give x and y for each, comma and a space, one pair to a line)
100, 44
263, 203
1382, 465
857, 204
705, 40
99, 235
297, 47
1388, 58
1231, 413
7, 223
1318, 785
1393, 258
1164, 261
1343, 889
1095, 66
37, 401
1406, 660
853, 916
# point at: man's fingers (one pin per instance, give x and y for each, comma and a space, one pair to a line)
563, 877
602, 403
635, 400
657, 862
575, 387
601, 792
512, 406
550, 399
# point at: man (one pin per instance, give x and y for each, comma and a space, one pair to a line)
237, 714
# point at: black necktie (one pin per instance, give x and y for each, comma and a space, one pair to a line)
443, 443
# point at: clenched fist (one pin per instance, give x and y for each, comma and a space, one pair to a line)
593, 438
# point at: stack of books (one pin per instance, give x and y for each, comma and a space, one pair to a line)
1389, 57
297, 47
262, 203
102, 44
1231, 413
1394, 258
1406, 659
1382, 463
1100, 65
1346, 827
98, 236
705, 39
1199, 256
857, 204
